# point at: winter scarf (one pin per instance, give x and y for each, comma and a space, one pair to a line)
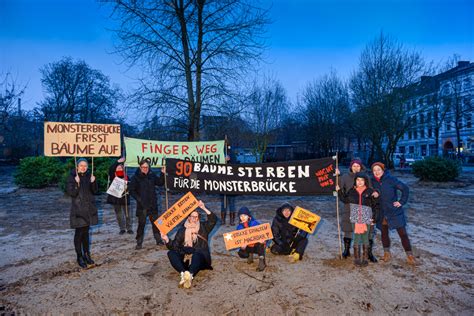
191, 233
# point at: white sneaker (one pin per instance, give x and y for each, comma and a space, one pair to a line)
188, 279
181, 282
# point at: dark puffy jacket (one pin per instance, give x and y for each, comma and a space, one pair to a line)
346, 183
142, 189
202, 243
388, 187
110, 198
366, 198
284, 234
83, 210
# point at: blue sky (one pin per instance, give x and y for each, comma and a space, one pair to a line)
307, 38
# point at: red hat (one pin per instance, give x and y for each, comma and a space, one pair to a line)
381, 165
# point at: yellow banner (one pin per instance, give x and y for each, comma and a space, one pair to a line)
304, 220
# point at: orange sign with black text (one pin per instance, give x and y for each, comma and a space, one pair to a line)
251, 235
177, 213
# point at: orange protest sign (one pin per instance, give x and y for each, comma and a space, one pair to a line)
304, 220
176, 213
251, 235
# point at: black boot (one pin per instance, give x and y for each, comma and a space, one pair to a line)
357, 261
261, 263
365, 252
232, 218
88, 259
347, 248
371, 256
81, 262
223, 215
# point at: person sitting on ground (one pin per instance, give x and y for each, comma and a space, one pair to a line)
246, 221
189, 251
362, 202
287, 239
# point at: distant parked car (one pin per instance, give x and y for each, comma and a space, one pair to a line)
404, 160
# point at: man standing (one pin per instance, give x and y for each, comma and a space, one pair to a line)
142, 189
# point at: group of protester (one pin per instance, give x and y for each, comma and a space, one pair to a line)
368, 201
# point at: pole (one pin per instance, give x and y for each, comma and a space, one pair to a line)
166, 190
75, 167
337, 205
126, 189
92, 165
225, 161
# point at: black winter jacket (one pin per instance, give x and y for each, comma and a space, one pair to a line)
83, 209
142, 189
284, 234
201, 245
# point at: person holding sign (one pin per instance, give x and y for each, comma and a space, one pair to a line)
287, 239
347, 183
121, 205
81, 186
247, 252
142, 188
363, 205
189, 251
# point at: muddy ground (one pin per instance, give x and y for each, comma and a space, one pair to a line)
38, 273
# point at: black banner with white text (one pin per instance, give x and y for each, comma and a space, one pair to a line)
306, 177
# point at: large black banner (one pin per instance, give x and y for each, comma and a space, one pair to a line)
307, 177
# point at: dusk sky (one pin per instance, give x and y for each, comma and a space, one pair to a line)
306, 40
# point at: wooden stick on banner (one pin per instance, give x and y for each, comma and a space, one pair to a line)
126, 189
75, 168
225, 161
337, 205
92, 165
166, 189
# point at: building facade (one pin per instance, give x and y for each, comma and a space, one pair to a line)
440, 103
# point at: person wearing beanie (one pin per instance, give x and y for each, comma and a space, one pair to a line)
121, 205
363, 208
189, 251
81, 186
287, 239
346, 182
246, 221
142, 189
392, 214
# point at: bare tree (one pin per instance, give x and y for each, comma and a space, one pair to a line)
10, 92
326, 101
268, 106
192, 52
380, 87
76, 92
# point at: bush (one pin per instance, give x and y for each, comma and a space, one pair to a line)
38, 172
101, 171
436, 169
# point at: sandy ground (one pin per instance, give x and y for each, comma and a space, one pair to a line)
38, 273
